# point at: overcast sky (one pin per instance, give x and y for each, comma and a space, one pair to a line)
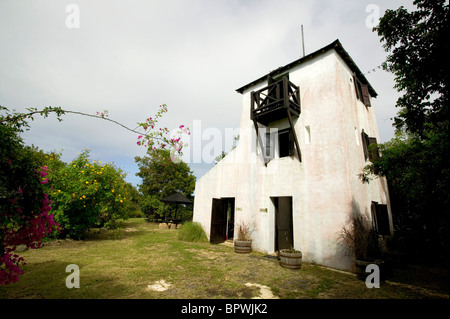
131, 56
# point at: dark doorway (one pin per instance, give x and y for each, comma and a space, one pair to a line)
284, 234
222, 219
230, 218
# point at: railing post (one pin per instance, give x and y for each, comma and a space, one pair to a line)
277, 90
285, 92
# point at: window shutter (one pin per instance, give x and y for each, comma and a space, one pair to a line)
356, 88
373, 209
365, 95
365, 143
269, 148
291, 142
380, 218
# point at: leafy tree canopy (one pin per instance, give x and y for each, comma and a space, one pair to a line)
162, 177
416, 162
418, 46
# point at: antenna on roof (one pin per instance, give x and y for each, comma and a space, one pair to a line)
303, 42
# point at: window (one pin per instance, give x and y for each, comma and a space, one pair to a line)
370, 147
380, 218
365, 143
307, 134
362, 92
285, 143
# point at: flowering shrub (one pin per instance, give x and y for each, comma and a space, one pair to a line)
87, 194
25, 216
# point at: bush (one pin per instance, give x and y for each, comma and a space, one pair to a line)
192, 232
25, 217
136, 213
153, 208
361, 238
88, 194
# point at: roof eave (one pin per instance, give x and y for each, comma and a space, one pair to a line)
336, 45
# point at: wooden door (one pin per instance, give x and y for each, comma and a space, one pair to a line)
284, 235
218, 220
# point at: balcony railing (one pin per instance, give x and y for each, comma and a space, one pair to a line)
272, 102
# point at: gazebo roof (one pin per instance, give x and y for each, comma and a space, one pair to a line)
177, 198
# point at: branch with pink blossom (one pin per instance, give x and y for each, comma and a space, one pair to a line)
149, 135
21, 226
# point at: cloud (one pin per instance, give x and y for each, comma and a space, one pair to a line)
131, 56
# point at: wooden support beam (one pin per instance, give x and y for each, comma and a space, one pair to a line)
252, 104
297, 145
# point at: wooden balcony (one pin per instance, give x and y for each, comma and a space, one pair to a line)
272, 102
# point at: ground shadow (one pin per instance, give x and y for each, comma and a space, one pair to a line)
47, 280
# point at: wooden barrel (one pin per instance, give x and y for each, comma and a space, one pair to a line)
290, 260
242, 247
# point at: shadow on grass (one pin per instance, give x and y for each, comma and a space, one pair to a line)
127, 229
432, 278
47, 280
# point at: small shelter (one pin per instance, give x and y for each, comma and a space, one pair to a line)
176, 198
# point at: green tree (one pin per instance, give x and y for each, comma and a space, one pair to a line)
418, 57
162, 177
419, 198
134, 204
416, 161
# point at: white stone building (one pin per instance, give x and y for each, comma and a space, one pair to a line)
304, 136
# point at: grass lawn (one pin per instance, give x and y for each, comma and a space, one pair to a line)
132, 261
